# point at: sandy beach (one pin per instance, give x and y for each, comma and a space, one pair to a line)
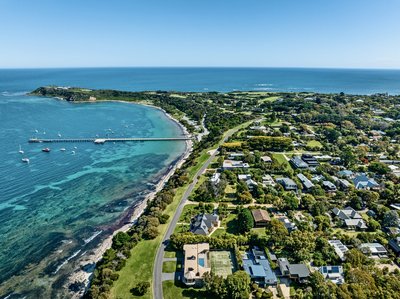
82, 276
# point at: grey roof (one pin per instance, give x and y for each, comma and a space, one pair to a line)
299, 270
287, 183
202, 223
306, 182
329, 185
395, 244
298, 162
346, 213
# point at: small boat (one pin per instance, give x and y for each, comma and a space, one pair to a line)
75, 147
46, 150
59, 135
20, 150
73, 152
62, 149
25, 160
36, 131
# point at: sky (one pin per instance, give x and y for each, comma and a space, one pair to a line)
183, 33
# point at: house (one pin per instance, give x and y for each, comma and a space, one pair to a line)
333, 273
344, 184
345, 173
196, 263
247, 178
267, 180
311, 161
371, 213
266, 159
361, 181
232, 164
234, 156
216, 178
256, 264
297, 272
290, 226
298, 163
373, 250
203, 224
244, 177
395, 245
261, 217
339, 248
306, 182
329, 186
288, 184
350, 218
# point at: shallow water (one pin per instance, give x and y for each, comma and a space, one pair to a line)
63, 202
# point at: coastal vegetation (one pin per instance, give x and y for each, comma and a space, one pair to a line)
324, 168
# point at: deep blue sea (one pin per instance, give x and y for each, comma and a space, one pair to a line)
63, 203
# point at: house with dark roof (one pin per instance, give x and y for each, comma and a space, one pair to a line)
345, 173
204, 224
350, 218
311, 161
329, 186
261, 217
362, 181
297, 272
307, 184
290, 226
395, 245
256, 264
287, 183
298, 163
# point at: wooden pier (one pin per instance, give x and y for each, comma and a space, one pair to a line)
104, 140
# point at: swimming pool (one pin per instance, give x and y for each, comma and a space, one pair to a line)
201, 261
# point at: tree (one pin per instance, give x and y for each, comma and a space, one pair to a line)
238, 285
355, 257
245, 220
301, 244
391, 218
379, 168
347, 156
291, 201
245, 197
140, 288
276, 232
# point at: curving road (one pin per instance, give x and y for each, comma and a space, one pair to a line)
158, 262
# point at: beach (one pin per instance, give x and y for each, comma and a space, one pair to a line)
84, 269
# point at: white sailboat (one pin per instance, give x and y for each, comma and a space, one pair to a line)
25, 160
20, 150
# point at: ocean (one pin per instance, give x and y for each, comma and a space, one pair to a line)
63, 203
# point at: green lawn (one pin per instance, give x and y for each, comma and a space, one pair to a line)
282, 160
189, 211
269, 99
171, 267
181, 228
259, 231
219, 232
314, 144
172, 291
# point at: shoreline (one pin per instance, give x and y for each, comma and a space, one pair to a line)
79, 274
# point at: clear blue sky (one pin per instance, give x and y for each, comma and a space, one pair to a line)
263, 33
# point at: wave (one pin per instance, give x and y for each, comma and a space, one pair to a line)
13, 94
66, 261
91, 238
264, 84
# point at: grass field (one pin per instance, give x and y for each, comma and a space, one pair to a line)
171, 267
314, 144
281, 159
221, 263
173, 291
269, 99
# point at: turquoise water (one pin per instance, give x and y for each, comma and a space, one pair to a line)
63, 203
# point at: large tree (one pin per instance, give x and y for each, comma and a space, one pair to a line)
245, 220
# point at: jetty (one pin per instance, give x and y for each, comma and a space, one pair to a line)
104, 140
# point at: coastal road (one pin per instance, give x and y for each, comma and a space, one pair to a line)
158, 262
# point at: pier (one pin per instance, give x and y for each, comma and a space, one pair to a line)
104, 140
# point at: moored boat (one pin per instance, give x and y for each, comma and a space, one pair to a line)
46, 150
25, 160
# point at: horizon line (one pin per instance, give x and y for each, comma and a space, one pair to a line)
202, 67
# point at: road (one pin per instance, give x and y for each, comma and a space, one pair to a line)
158, 263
